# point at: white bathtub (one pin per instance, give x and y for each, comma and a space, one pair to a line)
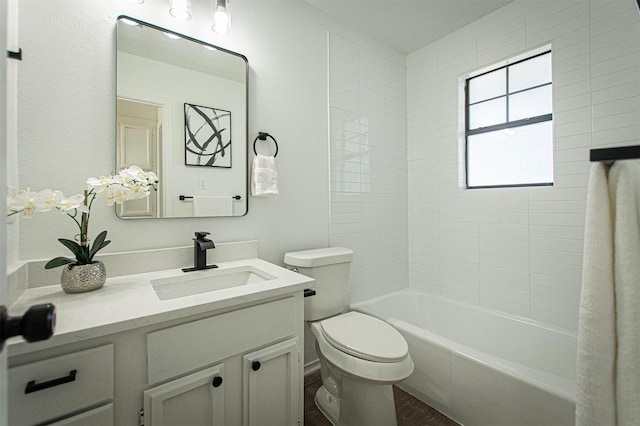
481, 367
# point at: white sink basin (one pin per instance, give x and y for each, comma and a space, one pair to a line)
198, 282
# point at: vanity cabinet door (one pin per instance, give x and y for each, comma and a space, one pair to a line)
197, 399
272, 392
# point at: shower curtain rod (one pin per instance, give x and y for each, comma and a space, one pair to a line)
613, 154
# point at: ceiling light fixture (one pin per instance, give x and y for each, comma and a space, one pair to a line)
180, 9
221, 17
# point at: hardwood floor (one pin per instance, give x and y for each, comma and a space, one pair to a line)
409, 410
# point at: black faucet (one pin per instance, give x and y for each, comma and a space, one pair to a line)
200, 247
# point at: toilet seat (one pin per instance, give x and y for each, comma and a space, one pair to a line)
365, 337
354, 366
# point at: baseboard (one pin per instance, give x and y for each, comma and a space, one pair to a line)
312, 367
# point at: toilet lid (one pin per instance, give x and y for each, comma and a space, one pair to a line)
365, 337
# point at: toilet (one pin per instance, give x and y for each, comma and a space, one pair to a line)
361, 357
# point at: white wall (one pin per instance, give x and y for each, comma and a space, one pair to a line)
518, 250
368, 131
67, 118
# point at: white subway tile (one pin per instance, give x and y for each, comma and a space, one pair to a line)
557, 282
504, 306
612, 137
612, 122
558, 206
572, 142
567, 322
622, 48
507, 297
571, 102
502, 278
461, 296
559, 269
560, 231
630, 104
553, 306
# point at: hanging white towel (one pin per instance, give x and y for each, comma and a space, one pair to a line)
204, 206
595, 377
264, 176
608, 372
624, 189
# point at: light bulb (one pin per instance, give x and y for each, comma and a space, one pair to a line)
180, 9
221, 21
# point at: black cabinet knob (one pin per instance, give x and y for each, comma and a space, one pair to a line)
255, 365
217, 382
38, 323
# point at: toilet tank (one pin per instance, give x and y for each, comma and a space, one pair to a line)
330, 267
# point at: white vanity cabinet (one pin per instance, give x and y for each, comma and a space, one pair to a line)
247, 368
238, 365
270, 385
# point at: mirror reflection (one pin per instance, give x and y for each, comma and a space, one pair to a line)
181, 112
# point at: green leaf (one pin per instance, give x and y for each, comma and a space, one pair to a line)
58, 261
81, 253
98, 244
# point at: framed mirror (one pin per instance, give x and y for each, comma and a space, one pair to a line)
181, 112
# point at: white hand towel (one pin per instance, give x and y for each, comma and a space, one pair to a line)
264, 176
595, 376
220, 205
624, 190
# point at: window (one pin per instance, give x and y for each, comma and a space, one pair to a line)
509, 127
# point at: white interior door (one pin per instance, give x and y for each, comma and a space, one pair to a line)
138, 145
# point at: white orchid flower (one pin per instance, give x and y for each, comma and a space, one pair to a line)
129, 174
130, 183
152, 178
138, 191
26, 202
74, 202
51, 199
99, 184
116, 194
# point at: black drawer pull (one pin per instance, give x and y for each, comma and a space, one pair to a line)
32, 386
255, 365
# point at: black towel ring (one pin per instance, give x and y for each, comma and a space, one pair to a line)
263, 137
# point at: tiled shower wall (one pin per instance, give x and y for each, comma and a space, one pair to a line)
368, 160
518, 250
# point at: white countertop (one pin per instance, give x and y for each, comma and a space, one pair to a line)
128, 302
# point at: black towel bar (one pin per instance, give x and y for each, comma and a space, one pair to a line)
185, 197
613, 154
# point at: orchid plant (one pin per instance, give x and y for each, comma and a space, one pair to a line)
128, 184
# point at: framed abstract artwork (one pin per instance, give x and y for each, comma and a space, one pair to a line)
207, 136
